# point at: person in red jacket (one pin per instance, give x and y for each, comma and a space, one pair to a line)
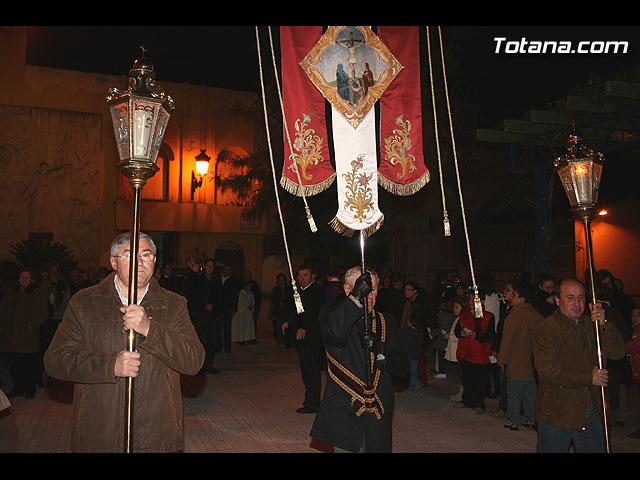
476, 336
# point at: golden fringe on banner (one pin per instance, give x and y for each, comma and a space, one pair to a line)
342, 229
299, 190
404, 190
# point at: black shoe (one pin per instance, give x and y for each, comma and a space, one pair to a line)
511, 426
213, 371
306, 410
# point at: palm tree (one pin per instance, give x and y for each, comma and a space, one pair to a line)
39, 251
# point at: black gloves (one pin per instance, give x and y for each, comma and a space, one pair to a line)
362, 286
371, 342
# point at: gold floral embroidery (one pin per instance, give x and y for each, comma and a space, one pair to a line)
397, 147
307, 146
359, 196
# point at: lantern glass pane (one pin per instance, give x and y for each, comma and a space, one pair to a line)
582, 180
158, 136
120, 119
142, 127
597, 177
567, 183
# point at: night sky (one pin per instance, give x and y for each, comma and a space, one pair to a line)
504, 85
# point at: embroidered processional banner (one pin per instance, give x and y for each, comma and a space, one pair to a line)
352, 70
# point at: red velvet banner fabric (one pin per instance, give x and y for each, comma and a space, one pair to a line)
306, 146
402, 169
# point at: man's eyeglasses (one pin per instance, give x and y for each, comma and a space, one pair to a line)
146, 256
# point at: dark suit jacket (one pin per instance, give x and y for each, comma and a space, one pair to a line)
313, 299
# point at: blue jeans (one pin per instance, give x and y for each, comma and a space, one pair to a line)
442, 361
557, 440
414, 382
521, 395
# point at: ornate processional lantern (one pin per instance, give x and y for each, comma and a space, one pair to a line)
580, 171
140, 116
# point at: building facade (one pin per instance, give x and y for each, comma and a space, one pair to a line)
60, 178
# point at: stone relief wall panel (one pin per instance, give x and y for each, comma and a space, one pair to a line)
50, 177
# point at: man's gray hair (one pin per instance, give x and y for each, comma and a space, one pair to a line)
125, 239
354, 272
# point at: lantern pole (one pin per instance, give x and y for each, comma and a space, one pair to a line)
365, 304
140, 116
580, 173
584, 214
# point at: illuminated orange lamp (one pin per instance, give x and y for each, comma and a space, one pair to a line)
202, 167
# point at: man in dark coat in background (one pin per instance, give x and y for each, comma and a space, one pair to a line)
544, 299
349, 418
213, 321
307, 338
195, 291
23, 310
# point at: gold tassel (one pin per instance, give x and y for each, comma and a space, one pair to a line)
447, 226
297, 299
476, 303
312, 223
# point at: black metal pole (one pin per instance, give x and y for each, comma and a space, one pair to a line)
365, 305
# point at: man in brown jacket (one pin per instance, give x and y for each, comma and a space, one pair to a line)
515, 354
89, 349
569, 405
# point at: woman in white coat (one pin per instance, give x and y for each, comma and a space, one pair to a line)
242, 328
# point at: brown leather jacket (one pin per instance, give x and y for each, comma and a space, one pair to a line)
84, 351
564, 357
515, 346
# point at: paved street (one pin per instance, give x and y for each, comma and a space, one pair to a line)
250, 408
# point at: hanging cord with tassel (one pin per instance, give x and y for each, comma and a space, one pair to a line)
447, 225
296, 294
312, 223
477, 303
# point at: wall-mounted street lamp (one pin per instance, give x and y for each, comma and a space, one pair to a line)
580, 171
202, 167
140, 116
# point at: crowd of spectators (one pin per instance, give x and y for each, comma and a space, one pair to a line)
436, 325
